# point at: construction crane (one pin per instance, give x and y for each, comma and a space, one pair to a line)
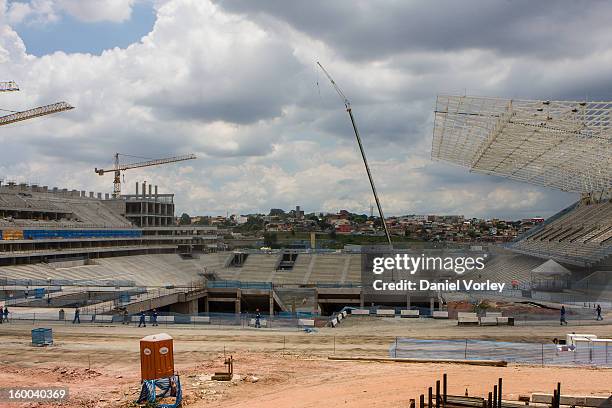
17, 116
118, 168
347, 105
8, 86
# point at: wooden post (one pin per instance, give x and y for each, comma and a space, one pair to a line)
412, 403
429, 401
495, 397
558, 394
422, 401
438, 394
490, 400
444, 388
499, 393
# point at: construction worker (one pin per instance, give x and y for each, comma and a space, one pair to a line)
257, 319
598, 310
77, 316
1, 314
154, 317
562, 318
125, 317
6, 312
142, 321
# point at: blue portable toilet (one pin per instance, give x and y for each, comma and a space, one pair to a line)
39, 293
42, 337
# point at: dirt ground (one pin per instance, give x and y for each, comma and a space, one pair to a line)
100, 364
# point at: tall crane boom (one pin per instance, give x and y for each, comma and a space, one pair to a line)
118, 168
11, 86
8, 86
33, 113
347, 105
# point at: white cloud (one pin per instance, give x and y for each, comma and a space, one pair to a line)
242, 93
48, 11
98, 10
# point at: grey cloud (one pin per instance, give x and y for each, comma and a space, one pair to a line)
366, 30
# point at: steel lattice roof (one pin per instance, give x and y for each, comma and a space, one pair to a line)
559, 144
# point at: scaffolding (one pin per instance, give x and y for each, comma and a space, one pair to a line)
559, 144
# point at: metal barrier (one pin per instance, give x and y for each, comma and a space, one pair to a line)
590, 354
298, 321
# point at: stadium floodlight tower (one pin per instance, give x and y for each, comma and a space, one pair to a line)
347, 105
559, 144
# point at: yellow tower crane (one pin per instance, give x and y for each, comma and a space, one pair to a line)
118, 168
17, 116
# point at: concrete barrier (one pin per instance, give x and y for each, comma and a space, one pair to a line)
488, 321
468, 321
165, 319
90, 318
306, 322
466, 314
502, 321
440, 314
262, 322
200, 319
360, 312
409, 313
334, 322
573, 400
385, 312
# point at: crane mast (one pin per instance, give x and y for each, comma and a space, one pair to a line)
118, 168
347, 105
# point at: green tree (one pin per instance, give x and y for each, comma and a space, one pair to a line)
185, 219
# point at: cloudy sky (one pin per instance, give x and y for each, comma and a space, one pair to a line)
235, 81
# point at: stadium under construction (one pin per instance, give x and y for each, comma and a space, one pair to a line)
106, 254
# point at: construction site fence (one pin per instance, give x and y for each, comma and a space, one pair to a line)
597, 353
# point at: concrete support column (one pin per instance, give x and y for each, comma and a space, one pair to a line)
432, 304
316, 301
361, 299
271, 303
237, 308
408, 301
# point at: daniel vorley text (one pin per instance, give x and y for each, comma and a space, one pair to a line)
446, 286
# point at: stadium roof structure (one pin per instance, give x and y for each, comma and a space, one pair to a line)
558, 144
